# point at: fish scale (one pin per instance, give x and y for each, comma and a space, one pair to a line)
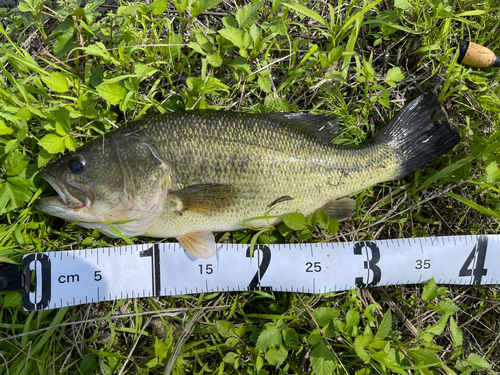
187, 174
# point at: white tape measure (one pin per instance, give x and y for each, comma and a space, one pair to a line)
69, 278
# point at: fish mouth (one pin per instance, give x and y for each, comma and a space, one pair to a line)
69, 193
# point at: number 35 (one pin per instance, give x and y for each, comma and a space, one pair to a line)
425, 264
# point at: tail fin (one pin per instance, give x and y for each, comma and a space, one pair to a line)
417, 136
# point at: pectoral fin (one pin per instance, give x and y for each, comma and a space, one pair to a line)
199, 244
341, 209
206, 198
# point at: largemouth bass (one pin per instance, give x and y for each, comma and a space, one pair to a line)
188, 174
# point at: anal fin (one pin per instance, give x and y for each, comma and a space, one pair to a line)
199, 244
341, 209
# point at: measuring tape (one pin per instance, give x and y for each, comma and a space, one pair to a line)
67, 278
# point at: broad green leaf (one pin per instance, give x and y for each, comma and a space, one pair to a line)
61, 115
359, 346
61, 129
215, 59
265, 84
324, 315
270, 337
323, 218
202, 5
315, 337
385, 327
144, 70
13, 196
181, 5
56, 82
430, 290
394, 75
25, 6
312, 220
15, 162
438, 327
4, 129
456, 333
307, 12
235, 36
478, 362
92, 5
224, 328
99, 49
259, 362
70, 143
422, 356
97, 75
291, 338
65, 41
492, 173
230, 357
248, 14
402, 4
126, 10
276, 357
196, 47
333, 225
26, 177
88, 365
322, 359
158, 7
335, 54
351, 318
112, 92
52, 143
204, 43
305, 234
161, 348
255, 32
12, 298
295, 221
446, 307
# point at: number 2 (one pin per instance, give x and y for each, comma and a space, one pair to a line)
266, 260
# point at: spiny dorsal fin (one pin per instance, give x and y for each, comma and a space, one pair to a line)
199, 244
341, 209
205, 198
323, 127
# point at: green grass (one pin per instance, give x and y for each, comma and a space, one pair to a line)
69, 74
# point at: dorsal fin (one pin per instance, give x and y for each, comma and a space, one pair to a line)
323, 127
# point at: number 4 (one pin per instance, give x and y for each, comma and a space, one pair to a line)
475, 261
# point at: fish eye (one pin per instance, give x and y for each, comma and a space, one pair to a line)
77, 164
